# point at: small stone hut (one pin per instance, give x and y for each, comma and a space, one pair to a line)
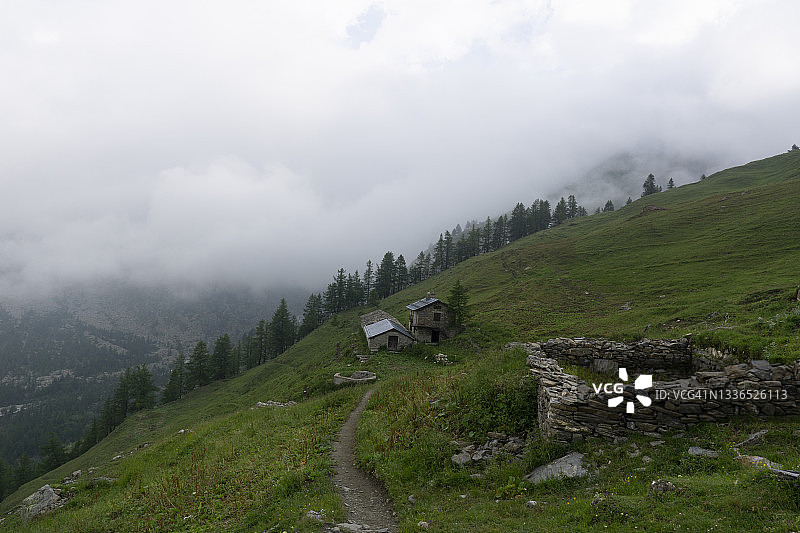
428, 319
384, 331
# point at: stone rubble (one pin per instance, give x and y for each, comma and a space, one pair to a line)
270, 403
702, 452
497, 444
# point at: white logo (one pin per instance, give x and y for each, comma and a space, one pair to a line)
645, 381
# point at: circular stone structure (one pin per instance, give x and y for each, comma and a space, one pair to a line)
359, 376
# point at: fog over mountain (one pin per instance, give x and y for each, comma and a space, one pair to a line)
267, 144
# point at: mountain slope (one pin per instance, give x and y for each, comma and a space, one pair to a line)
721, 254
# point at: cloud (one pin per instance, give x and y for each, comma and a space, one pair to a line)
271, 143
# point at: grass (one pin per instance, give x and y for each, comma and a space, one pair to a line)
720, 263
407, 432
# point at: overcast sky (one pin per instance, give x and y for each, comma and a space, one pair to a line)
272, 142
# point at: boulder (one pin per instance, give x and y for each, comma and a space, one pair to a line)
40, 502
702, 452
571, 465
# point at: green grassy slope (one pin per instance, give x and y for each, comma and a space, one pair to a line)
722, 254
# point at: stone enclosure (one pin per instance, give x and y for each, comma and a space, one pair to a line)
570, 409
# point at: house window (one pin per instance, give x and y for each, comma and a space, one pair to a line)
437, 317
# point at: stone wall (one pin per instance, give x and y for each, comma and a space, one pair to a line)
670, 357
570, 409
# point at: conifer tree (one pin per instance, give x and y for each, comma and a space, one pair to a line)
670, 184
518, 224
629, 201
177, 382
608, 207
417, 271
312, 315
385, 276
572, 206
141, 389
457, 303
53, 453
438, 255
560, 212
449, 251
488, 234
199, 367
369, 280
23, 471
221, 358
282, 329
499, 236
649, 186
401, 273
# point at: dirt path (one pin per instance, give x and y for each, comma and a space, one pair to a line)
369, 508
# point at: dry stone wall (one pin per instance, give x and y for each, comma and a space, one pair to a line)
647, 356
570, 409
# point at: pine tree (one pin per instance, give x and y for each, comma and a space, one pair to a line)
417, 271
24, 471
121, 398
629, 201
488, 234
649, 186
141, 389
670, 184
385, 276
518, 224
449, 251
221, 358
53, 453
282, 330
608, 207
540, 216
438, 255
500, 234
199, 367
401, 273
457, 303
572, 206
176, 386
312, 315
560, 212
369, 280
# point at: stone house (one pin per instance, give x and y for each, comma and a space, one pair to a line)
384, 331
428, 320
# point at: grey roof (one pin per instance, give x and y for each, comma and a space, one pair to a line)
382, 326
419, 304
